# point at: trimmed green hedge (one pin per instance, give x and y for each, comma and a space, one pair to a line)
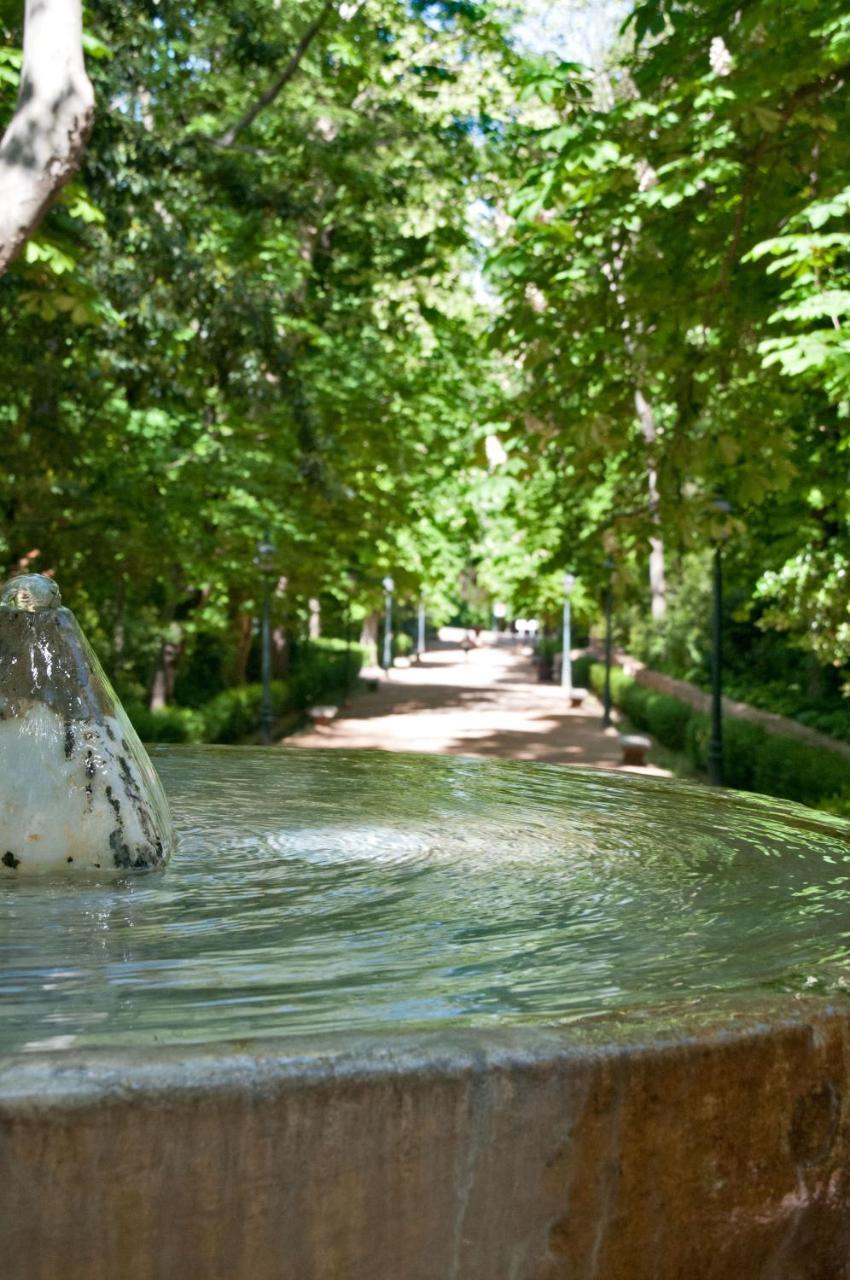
320, 673
753, 759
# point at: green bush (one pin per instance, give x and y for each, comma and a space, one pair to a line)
581, 671
402, 644
171, 724
697, 737
235, 713
323, 670
743, 745
797, 771
753, 759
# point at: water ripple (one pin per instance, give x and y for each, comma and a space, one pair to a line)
336, 891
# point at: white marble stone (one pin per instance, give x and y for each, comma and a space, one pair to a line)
78, 793
74, 799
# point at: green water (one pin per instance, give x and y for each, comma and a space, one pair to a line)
331, 891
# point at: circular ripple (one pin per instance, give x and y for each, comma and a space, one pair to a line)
341, 891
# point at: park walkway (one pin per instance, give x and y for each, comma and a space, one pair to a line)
487, 704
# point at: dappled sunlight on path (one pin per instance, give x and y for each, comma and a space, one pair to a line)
487, 704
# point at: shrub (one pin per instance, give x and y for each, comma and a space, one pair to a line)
581, 671
402, 644
171, 724
797, 771
235, 713
753, 759
323, 670
743, 743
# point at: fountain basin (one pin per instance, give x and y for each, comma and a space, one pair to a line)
444, 1048
660, 1150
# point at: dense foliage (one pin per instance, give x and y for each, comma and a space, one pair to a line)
261, 307
250, 315
754, 758
675, 283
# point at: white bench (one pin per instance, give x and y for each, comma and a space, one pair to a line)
634, 747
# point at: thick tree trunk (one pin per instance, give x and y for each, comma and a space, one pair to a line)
164, 675
43, 144
657, 577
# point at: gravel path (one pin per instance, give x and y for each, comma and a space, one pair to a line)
487, 704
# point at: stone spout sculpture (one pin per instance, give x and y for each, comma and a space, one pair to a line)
78, 793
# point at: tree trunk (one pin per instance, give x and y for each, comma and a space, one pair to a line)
281, 650
315, 624
119, 630
164, 675
242, 648
369, 636
657, 577
43, 144
240, 635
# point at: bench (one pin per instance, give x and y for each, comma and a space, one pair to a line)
634, 747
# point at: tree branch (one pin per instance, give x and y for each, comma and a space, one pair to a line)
268, 95
43, 144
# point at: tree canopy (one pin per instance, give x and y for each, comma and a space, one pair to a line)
377, 281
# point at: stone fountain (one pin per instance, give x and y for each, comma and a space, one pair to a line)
420, 1018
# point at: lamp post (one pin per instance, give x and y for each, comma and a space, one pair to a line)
389, 588
264, 560
420, 629
606, 703
715, 744
566, 657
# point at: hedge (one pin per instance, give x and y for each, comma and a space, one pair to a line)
321, 672
753, 759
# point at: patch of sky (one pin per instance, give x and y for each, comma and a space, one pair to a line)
572, 30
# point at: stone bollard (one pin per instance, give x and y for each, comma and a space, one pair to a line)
634, 747
322, 715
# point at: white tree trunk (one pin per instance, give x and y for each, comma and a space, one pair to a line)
42, 146
315, 622
657, 578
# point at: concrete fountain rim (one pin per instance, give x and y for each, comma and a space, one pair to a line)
71, 1078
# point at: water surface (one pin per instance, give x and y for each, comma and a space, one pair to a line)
334, 891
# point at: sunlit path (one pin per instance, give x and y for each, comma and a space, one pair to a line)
487, 704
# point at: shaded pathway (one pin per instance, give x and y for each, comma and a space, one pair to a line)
489, 704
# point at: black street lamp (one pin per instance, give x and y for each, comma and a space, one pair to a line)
715, 744
389, 588
264, 561
609, 596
